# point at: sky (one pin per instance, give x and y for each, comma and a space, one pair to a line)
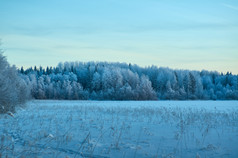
184, 34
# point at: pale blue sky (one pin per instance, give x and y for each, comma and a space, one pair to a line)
180, 34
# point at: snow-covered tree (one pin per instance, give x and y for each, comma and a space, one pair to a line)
13, 89
121, 81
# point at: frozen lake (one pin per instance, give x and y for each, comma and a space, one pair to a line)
121, 129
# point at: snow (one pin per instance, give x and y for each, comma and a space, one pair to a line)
50, 128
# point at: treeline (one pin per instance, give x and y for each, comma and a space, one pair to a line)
13, 89
120, 81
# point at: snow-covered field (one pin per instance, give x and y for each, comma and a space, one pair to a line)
121, 129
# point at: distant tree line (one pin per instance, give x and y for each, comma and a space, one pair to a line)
13, 89
121, 81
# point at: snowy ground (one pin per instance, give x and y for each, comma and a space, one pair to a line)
121, 129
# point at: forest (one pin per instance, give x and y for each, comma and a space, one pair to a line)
110, 81
122, 81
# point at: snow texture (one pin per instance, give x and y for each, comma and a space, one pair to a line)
121, 129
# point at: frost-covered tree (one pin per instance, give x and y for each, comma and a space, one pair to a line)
13, 89
121, 81
145, 90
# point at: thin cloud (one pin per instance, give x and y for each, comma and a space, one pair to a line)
230, 6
